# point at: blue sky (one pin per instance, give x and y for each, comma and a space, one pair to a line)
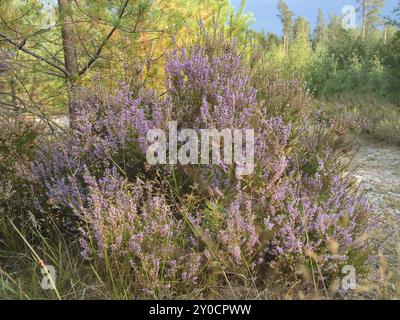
265, 11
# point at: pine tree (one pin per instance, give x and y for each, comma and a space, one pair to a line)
319, 32
286, 18
370, 11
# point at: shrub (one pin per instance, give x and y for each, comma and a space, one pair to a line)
110, 132
133, 223
352, 67
388, 130
366, 116
208, 88
392, 60
297, 208
19, 140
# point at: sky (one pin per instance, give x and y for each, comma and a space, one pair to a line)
265, 11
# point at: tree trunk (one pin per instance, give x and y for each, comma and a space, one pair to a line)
364, 22
286, 42
70, 55
385, 34
13, 92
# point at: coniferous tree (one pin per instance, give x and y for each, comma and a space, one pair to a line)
370, 11
124, 39
285, 16
319, 32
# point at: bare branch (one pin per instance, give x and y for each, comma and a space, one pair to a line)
20, 46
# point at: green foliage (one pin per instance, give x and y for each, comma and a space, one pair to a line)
370, 13
392, 60
19, 140
346, 63
337, 61
319, 32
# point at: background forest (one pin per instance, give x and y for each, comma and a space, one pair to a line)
81, 84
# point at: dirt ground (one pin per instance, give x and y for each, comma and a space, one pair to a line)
377, 169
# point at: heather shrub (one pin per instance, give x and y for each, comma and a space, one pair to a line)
18, 144
132, 223
305, 201
285, 98
19, 140
292, 159
110, 131
279, 93
178, 226
210, 87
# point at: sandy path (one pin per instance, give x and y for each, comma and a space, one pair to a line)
377, 168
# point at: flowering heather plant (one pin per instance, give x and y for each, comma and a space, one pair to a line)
297, 208
312, 214
239, 236
133, 222
208, 87
303, 212
110, 131
286, 98
208, 90
19, 140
